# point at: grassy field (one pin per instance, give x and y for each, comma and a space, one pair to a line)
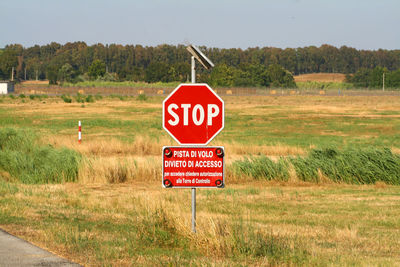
116, 213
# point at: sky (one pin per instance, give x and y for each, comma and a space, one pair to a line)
362, 24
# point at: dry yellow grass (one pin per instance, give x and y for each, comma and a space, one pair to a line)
45, 82
311, 215
120, 186
320, 77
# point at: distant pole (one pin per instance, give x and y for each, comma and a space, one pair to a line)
383, 82
193, 71
12, 74
79, 132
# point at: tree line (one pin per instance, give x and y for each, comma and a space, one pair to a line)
266, 66
377, 77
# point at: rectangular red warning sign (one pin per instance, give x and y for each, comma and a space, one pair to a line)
191, 167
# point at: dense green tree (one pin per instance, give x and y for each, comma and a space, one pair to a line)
157, 72
223, 75
97, 69
8, 60
52, 73
392, 79
66, 73
279, 77
132, 62
373, 78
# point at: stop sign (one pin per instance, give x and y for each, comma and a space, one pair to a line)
193, 114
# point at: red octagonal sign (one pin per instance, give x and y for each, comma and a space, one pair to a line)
193, 114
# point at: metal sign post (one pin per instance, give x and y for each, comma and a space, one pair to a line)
194, 210
205, 122
193, 189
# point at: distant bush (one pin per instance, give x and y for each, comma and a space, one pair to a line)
353, 166
98, 96
80, 98
32, 97
21, 96
28, 162
11, 96
66, 98
90, 99
118, 96
142, 97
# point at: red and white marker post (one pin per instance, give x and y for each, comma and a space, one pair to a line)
79, 132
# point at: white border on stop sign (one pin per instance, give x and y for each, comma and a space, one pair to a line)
223, 114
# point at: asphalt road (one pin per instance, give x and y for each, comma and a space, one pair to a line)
17, 252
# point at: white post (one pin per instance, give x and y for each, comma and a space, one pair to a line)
79, 132
193, 71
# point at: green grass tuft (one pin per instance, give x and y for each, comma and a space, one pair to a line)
66, 98
352, 166
30, 163
262, 168
142, 97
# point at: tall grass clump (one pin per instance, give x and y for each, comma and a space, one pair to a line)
262, 168
142, 97
28, 162
246, 240
66, 98
353, 166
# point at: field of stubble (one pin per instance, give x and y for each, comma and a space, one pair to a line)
116, 212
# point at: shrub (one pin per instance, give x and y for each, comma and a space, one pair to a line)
32, 97
142, 97
11, 96
66, 99
98, 96
79, 98
27, 161
117, 96
90, 99
22, 96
